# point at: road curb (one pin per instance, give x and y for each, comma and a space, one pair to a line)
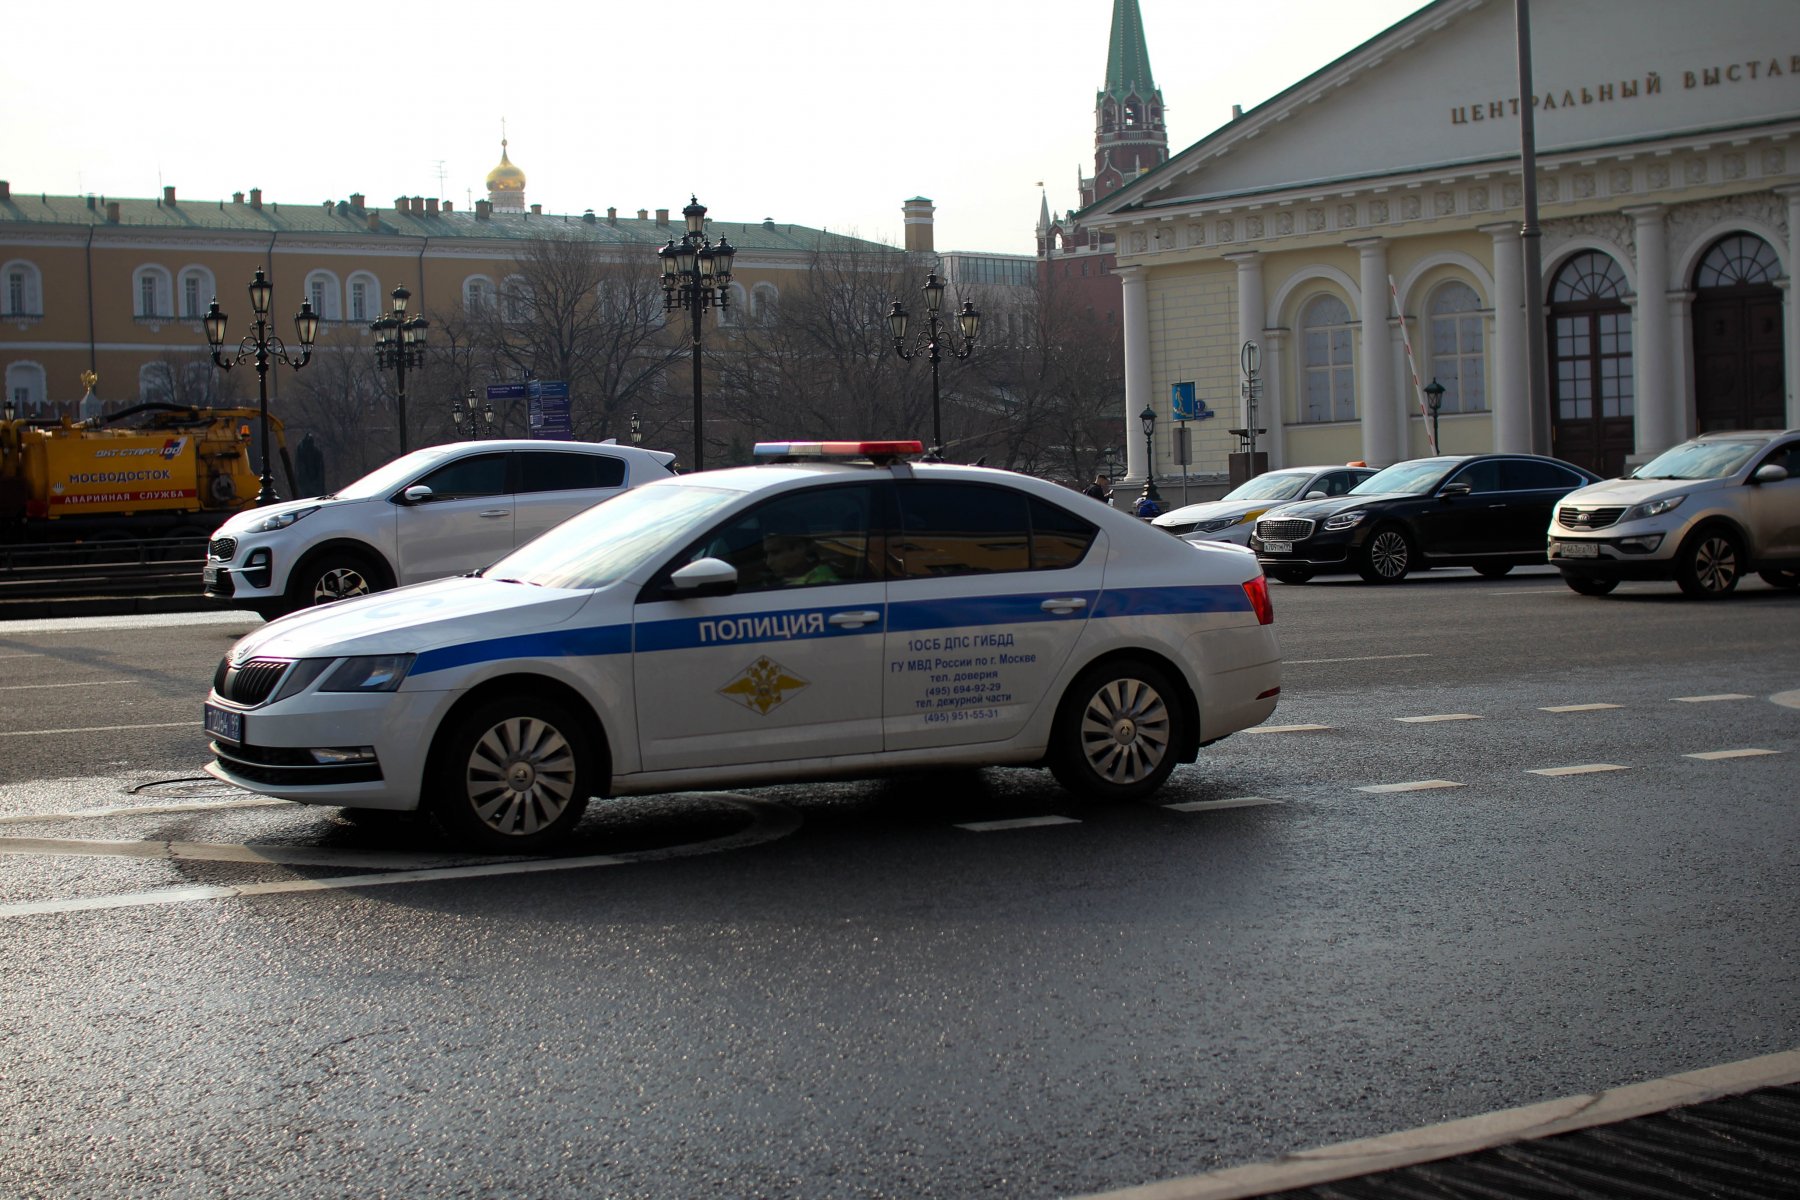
1451, 1139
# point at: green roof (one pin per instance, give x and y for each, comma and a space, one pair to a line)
1128, 55
339, 219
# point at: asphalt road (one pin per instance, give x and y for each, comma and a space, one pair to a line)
1499, 844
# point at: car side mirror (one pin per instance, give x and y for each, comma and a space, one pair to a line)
704, 577
1315, 495
418, 493
1455, 489
1769, 473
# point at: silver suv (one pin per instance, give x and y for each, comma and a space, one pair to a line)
1701, 513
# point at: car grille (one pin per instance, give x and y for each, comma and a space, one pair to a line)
1588, 518
250, 683
222, 548
1291, 529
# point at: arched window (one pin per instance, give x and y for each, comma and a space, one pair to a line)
322, 290
737, 304
1457, 361
196, 292
1327, 361
478, 294
365, 298
1590, 369
21, 290
152, 294
1737, 261
517, 296
764, 301
25, 387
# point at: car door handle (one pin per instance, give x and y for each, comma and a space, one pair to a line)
1064, 604
854, 619
496, 512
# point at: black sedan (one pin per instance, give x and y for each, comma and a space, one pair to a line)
1487, 511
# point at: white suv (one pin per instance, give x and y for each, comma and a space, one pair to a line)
443, 510
1701, 513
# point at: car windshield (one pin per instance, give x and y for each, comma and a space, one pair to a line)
1274, 486
1417, 478
607, 542
1699, 460
383, 480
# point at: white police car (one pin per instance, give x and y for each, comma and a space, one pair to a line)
838, 612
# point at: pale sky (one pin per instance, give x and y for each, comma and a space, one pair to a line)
826, 113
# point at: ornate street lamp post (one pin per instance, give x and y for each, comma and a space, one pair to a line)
263, 348
475, 415
695, 277
637, 430
400, 343
968, 320
1434, 400
1148, 419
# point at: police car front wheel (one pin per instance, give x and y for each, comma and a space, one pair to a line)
1118, 731
512, 775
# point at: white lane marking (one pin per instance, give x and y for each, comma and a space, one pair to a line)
1439, 717
1786, 699
1564, 708
1709, 699
133, 621
98, 729
4, 657
1210, 805
1716, 755
769, 822
1584, 769
1284, 729
1308, 662
293, 856
137, 810
1421, 785
1020, 823
25, 687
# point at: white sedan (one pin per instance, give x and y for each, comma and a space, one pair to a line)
1232, 516
839, 611
443, 510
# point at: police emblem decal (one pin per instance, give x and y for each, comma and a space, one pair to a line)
762, 685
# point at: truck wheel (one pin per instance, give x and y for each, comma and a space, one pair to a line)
334, 575
1709, 562
1118, 731
512, 776
1386, 556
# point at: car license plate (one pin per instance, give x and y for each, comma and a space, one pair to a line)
1278, 547
1578, 550
223, 723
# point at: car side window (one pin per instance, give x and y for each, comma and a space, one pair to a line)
1059, 538
1336, 483
1523, 475
1480, 476
959, 529
477, 475
1784, 456
568, 471
801, 539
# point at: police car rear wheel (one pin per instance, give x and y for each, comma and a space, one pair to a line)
1117, 732
513, 775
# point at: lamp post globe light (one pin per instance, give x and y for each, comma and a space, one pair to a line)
695, 277
263, 348
1434, 400
400, 343
481, 420
637, 430
1148, 419
968, 321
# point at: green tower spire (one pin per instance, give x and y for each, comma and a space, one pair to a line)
1127, 54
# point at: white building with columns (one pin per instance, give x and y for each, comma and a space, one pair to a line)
1363, 228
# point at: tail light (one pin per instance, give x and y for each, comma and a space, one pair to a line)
1257, 592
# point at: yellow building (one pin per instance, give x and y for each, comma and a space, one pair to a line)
1375, 208
118, 286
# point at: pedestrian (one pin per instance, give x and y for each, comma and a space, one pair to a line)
1100, 489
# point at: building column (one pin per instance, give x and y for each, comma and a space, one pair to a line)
1136, 315
1509, 401
1381, 442
1791, 317
1655, 421
1681, 363
1272, 406
1249, 329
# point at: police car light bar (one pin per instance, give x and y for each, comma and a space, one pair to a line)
877, 451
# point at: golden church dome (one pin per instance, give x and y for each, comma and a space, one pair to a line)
505, 177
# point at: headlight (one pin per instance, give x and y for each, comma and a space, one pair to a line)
1651, 508
300, 677
1214, 525
283, 520
1345, 520
376, 673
